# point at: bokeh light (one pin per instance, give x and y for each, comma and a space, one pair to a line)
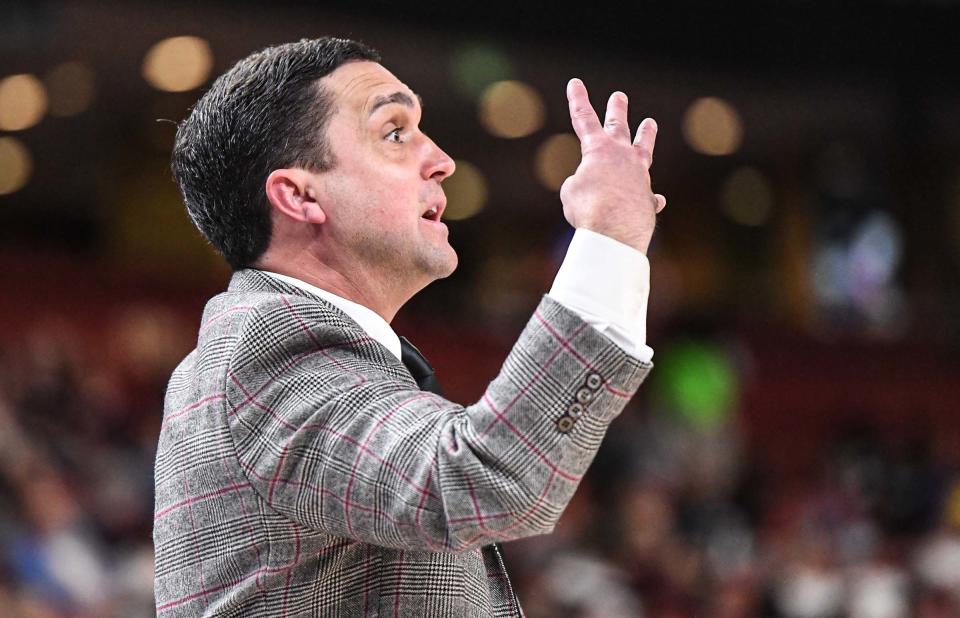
15, 165
476, 66
712, 126
511, 109
70, 87
557, 158
23, 101
466, 192
855, 274
747, 197
952, 509
698, 383
178, 64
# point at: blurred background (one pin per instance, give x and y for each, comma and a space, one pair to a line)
796, 451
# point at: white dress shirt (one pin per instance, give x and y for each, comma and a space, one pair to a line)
602, 280
607, 283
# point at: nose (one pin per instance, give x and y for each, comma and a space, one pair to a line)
438, 164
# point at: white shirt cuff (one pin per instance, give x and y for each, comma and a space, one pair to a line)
607, 284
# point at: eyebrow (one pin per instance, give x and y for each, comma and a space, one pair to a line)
397, 97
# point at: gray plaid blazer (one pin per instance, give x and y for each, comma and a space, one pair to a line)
301, 472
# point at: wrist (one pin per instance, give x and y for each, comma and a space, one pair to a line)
632, 237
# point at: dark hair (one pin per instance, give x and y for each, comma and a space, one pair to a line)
267, 112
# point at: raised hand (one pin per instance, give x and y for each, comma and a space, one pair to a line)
610, 192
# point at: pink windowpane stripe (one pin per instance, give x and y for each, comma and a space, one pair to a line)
293, 362
322, 349
526, 441
536, 376
522, 519
213, 320
193, 526
566, 344
193, 406
247, 525
257, 573
190, 501
293, 563
252, 399
364, 449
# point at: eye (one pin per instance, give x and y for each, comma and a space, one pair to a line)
395, 136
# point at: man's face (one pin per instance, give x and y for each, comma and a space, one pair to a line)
384, 199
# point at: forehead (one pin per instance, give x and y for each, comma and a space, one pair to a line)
356, 85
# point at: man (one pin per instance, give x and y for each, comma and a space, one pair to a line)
301, 470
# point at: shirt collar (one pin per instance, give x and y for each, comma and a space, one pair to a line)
369, 320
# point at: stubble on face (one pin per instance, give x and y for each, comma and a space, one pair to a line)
396, 254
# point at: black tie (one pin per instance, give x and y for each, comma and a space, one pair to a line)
419, 368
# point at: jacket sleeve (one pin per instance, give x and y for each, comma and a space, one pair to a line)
335, 443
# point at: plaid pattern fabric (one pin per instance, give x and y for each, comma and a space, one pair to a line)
301, 471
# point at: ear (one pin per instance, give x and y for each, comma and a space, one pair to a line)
293, 193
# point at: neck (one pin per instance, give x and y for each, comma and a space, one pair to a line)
353, 283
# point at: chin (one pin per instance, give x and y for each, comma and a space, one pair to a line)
449, 266
438, 262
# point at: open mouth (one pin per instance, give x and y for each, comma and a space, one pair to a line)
434, 213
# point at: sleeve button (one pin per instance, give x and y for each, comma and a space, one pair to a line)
594, 381
584, 396
575, 410
565, 424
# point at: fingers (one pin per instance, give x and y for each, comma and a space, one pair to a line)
661, 202
646, 139
587, 126
615, 123
582, 115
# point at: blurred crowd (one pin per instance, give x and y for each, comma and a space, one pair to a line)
674, 520
78, 431
671, 522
